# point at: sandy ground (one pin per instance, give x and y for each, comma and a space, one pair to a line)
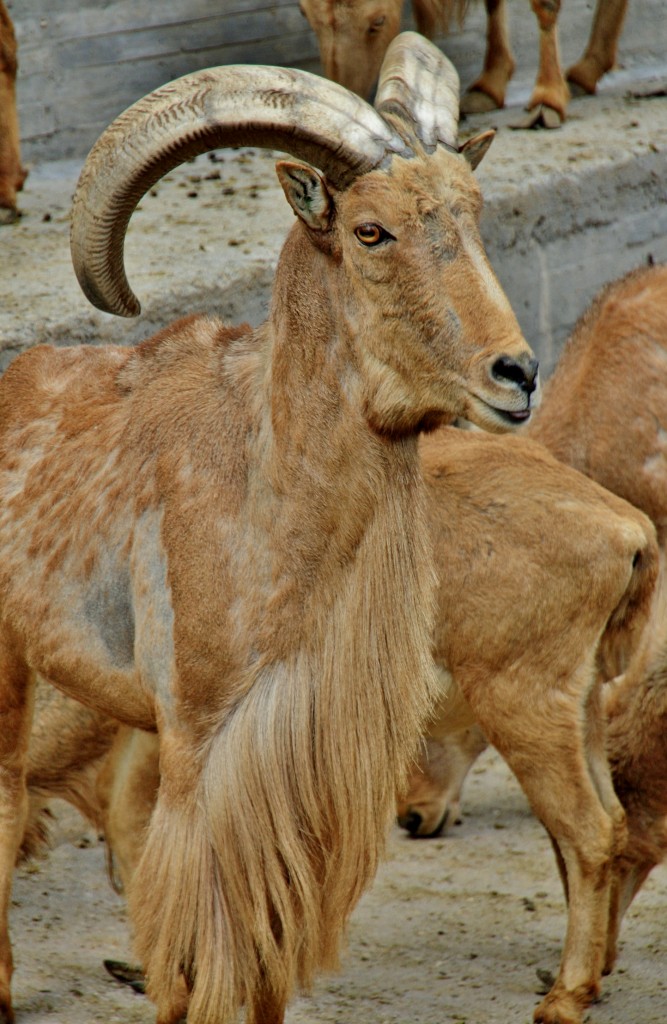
453, 930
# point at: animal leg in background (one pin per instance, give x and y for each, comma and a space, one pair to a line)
452, 743
600, 54
488, 91
550, 95
16, 681
12, 174
586, 837
127, 787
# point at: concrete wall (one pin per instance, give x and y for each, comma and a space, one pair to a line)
83, 61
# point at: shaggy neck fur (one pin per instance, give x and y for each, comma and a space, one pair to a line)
286, 824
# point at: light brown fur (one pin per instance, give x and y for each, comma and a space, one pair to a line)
605, 412
70, 742
508, 521
12, 173
354, 34
636, 708
202, 536
605, 407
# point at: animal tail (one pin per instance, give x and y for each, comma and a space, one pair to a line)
636, 627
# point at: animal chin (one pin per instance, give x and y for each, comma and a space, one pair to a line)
496, 419
515, 416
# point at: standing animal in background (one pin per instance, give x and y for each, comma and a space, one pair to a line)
205, 535
354, 34
636, 711
604, 411
546, 588
12, 173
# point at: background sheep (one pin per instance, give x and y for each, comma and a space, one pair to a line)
353, 37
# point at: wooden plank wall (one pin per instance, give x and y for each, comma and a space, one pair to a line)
83, 61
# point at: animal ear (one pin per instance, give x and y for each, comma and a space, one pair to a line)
474, 149
306, 193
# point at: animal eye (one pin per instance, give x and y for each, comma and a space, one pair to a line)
372, 234
377, 23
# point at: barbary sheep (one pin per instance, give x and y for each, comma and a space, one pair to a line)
205, 535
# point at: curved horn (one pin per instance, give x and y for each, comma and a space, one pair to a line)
274, 108
421, 86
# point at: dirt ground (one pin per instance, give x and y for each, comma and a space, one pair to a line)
453, 930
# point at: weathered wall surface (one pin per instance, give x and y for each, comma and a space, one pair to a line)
83, 61
570, 210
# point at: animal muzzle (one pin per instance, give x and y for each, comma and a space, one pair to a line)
413, 822
520, 372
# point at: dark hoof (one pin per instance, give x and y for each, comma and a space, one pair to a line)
126, 974
9, 214
547, 981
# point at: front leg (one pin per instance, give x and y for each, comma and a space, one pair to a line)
551, 95
16, 700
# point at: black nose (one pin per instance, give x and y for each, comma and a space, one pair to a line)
521, 371
411, 822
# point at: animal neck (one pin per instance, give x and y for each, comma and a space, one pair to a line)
344, 501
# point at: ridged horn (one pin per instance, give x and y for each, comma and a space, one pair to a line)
420, 85
272, 108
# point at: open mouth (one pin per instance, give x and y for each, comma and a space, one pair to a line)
505, 417
513, 416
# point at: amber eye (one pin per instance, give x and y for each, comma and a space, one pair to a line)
377, 24
371, 234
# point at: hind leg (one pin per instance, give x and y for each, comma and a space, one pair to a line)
588, 831
16, 698
553, 769
600, 54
